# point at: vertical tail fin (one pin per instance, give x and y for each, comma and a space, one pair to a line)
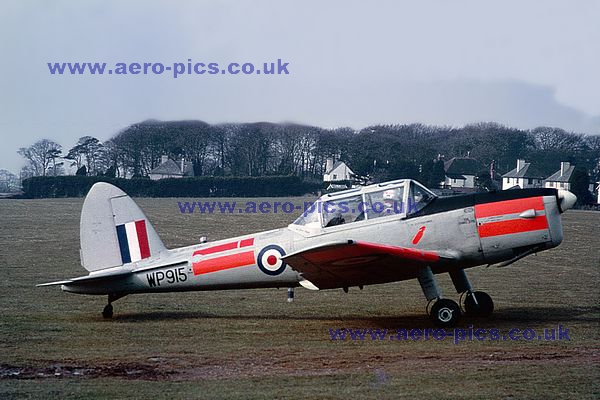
114, 231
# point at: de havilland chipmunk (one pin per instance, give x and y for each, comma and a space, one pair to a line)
343, 241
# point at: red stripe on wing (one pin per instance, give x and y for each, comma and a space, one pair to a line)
361, 249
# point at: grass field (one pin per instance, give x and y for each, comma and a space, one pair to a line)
253, 344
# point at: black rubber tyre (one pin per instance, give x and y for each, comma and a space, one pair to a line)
483, 308
108, 311
445, 313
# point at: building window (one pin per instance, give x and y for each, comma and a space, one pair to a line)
529, 181
334, 176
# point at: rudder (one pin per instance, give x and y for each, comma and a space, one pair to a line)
114, 231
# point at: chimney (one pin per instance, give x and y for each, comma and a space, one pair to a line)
564, 166
329, 165
164, 158
520, 165
182, 165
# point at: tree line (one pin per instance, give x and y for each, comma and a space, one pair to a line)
378, 152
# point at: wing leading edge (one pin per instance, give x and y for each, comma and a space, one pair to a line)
354, 263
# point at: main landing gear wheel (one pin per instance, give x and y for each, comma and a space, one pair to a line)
108, 311
445, 313
478, 304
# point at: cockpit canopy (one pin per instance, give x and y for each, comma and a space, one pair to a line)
402, 197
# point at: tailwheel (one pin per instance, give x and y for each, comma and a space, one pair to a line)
108, 311
445, 313
478, 304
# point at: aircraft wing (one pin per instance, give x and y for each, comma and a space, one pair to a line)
354, 263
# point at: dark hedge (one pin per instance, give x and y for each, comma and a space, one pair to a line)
204, 186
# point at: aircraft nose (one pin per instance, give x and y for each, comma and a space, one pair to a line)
566, 200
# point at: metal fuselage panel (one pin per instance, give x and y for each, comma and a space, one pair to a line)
509, 227
473, 232
248, 262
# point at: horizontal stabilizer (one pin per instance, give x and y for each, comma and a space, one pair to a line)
54, 283
88, 278
115, 272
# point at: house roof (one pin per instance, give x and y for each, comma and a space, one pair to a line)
457, 176
461, 166
527, 171
566, 177
169, 167
336, 165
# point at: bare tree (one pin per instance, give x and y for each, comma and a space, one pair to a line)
9, 182
40, 155
88, 149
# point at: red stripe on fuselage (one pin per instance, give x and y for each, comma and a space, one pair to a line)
513, 226
247, 242
509, 207
217, 249
142, 234
224, 262
224, 247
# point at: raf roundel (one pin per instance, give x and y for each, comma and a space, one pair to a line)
269, 260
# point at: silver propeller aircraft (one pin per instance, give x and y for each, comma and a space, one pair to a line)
375, 234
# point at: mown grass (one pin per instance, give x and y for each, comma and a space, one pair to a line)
253, 344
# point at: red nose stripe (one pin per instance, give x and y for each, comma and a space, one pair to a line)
509, 207
513, 226
224, 262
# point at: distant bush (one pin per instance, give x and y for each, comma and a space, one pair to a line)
204, 186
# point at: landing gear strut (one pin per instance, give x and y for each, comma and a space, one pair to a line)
478, 304
444, 312
107, 312
475, 304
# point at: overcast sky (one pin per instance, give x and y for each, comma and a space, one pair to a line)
521, 63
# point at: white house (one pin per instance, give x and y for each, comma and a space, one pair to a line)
561, 179
336, 172
460, 173
170, 169
524, 176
